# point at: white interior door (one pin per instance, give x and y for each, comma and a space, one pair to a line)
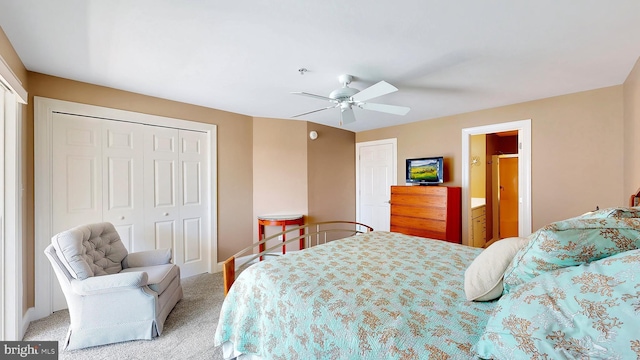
376, 172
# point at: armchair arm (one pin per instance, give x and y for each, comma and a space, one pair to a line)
147, 258
110, 283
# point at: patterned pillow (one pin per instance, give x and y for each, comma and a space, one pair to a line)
579, 312
571, 242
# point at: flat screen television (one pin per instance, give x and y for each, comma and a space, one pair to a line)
425, 171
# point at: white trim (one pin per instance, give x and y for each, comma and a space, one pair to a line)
3, 286
26, 320
394, 158
12, 279
43, 112
12, 81
524, 172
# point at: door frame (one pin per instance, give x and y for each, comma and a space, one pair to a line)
43, 113
13, 320
524, 173
394, 157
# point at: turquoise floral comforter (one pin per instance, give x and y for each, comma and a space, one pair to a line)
379, 295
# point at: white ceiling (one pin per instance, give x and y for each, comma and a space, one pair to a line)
446, 57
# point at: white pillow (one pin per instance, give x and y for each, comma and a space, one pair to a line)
483, 278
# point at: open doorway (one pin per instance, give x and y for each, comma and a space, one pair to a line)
483, 148
494, 187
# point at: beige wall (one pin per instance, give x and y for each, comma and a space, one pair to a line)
296, 175
632, 130
293, 174
279, 171
331, 174
577, 148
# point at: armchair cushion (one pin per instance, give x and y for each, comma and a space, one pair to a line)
99, 253
110, 283
159, 276
147, 258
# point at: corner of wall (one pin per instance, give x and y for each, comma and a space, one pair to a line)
10, 57
631, 124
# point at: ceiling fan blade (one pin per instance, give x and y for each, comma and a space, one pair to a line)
311, 112
375, 90
347, 116
313, 96
391, 109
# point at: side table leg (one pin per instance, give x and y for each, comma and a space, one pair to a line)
284, 238
261, 247
301, 238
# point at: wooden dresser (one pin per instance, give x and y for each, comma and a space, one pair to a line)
427, 211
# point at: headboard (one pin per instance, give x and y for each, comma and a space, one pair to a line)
634, 200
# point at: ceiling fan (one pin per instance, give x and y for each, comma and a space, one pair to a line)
346, 98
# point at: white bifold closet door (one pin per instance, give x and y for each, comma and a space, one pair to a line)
146, 180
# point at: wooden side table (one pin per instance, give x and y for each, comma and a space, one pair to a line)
279, 220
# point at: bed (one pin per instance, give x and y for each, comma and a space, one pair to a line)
569, 290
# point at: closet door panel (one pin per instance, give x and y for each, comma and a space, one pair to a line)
123, 196
76, 180
192, 235
161, 182
164, 234
194, 206
77, 177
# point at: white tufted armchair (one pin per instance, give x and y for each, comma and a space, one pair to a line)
112, 296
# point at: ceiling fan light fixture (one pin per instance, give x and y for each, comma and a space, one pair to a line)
343, 94
346, 97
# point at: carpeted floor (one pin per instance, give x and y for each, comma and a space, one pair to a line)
188, 331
